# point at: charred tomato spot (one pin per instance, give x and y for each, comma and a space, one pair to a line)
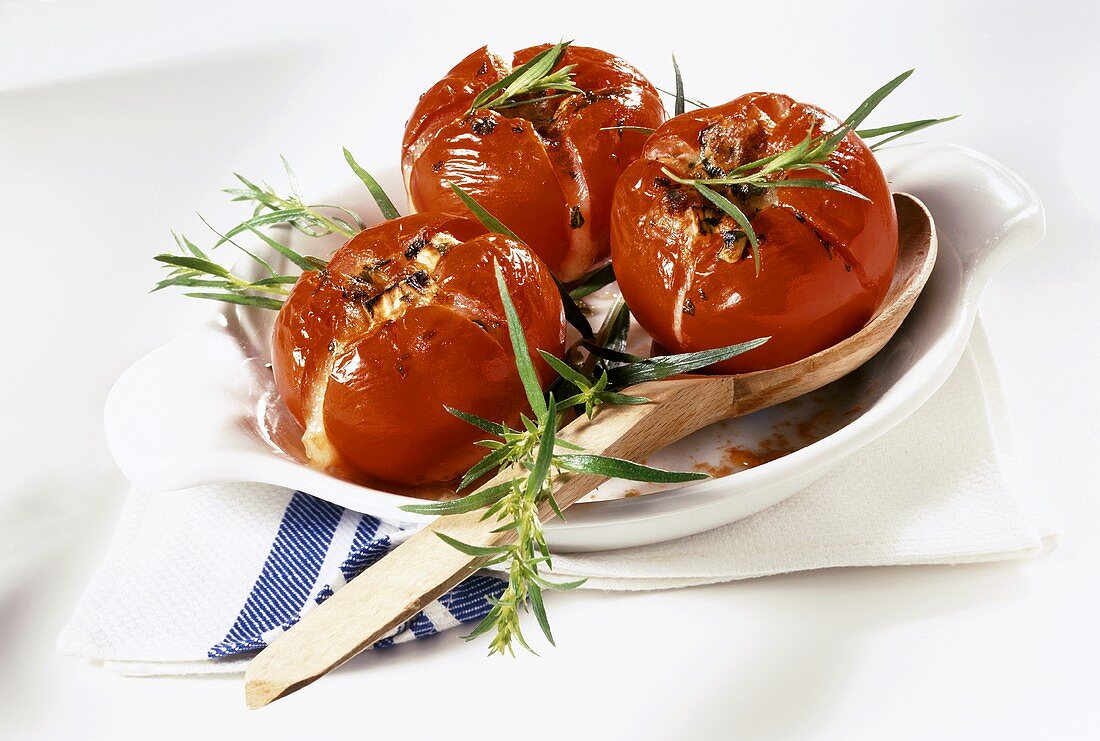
483, 125
418, 280
711, 169
675, 198
576, 218
417, 244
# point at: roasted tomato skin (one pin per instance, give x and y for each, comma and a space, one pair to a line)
405, 320
685, 269
545, 170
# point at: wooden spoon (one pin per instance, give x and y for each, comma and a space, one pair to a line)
424, 567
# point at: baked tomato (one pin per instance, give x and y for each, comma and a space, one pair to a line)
686, 269
407, 318
543, 164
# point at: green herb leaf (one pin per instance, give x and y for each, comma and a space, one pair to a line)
727, 206
194, 263
679, 104
529, 101
573, 313
859, 114
276, 280
479, 551
261, 302
900, 130
298, 260
562, 586
526, 369
603, 465
478, 500
612, 397
693, 101
484, 466
183, 281
487, 220
265, 219
545, 455
476, 421
530, 77
187, 245
813, 183
642, 129
592, 282
534, 591
385, 205
615, 356
565, 370
663, 366
615, 330
487, 623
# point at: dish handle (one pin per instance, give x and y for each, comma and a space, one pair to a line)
987, 212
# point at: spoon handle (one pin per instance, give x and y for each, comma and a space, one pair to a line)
424, 567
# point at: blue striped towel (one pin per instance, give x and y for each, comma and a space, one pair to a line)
320, 547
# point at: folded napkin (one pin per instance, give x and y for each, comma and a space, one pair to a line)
197, 579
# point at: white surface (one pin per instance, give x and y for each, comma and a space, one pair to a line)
938, 489
984, 216
117, 120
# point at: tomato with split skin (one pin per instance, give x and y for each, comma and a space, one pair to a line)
406, 319
687, 270
546, 169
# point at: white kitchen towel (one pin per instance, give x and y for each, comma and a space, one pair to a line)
216, 571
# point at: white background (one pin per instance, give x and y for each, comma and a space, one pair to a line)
119, 119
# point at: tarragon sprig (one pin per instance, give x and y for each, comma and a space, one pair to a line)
537, 75
811, 153
589, 393
270, 209
530, 459
194, 268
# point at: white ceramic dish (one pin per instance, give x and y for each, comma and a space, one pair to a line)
227, 424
